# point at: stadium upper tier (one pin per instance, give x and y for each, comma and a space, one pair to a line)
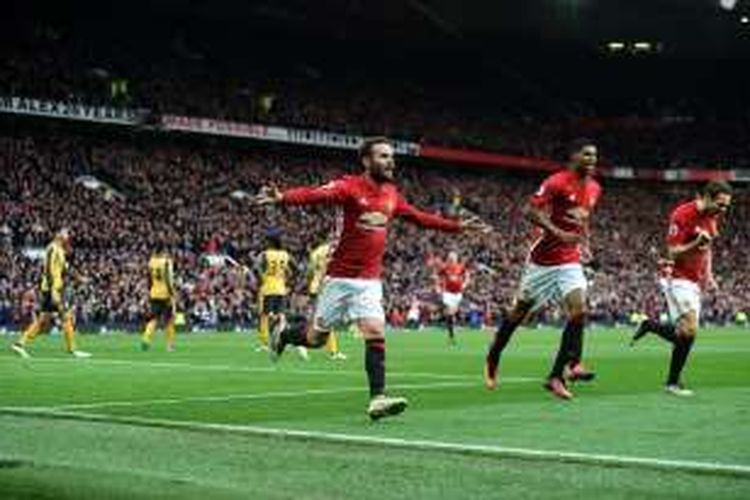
529, 115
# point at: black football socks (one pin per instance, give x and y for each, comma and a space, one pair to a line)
375, 365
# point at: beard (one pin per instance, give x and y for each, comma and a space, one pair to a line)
380, 176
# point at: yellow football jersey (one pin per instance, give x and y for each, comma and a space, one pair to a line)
55, 265
274, 269
160, 270
317, 267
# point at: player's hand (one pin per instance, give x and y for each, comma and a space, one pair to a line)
474, 223
569, 236
268, 195
711, 284
587, 255
703, 237
665, 267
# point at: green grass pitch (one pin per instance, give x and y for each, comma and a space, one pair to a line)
217, 420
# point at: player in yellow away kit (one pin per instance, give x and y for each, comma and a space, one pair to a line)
53, 301
273, 267
316, 271
161, 297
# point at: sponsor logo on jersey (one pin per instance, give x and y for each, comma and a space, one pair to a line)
372, 220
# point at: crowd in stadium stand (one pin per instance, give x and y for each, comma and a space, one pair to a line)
156, 187
645, 133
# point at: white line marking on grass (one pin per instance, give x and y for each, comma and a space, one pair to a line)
261, 395
267, 369
499, 452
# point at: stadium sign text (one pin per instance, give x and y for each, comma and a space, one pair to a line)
68, 110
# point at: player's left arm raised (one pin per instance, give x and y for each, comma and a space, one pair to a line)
433, 221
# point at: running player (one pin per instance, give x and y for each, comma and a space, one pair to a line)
161, 297
453, 278
560, 210
54, 303
352, 291
693, 226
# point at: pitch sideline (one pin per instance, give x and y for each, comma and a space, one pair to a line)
498, 452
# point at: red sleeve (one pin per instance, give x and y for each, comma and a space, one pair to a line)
679, 230
335, 192
545, 193
425, 219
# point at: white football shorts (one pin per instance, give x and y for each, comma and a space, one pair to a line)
451, 300
682, 296
344, 300
541, 284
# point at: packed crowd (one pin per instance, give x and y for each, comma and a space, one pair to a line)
642, 131
159, 188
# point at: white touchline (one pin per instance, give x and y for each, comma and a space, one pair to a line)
574, 457
267, 369
233, 397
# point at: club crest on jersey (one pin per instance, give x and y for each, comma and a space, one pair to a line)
372, 220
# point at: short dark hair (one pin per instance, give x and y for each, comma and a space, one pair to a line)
369, 142
579, 143
714, 188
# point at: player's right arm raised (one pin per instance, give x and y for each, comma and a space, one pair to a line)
333, 192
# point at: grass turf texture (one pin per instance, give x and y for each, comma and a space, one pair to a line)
217, 379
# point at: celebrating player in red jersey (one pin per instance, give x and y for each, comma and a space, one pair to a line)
692, 228
560, 209
453, 278
352, 290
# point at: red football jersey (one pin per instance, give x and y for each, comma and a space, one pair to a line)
367, 208
570, 201
452, 277
684, 224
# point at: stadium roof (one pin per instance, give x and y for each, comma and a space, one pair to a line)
683, 27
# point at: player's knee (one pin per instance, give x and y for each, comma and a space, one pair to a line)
371, 331
45, 321
518, 313
69, 319
687, 329
577, 316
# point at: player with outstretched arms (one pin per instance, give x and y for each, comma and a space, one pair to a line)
352, 290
